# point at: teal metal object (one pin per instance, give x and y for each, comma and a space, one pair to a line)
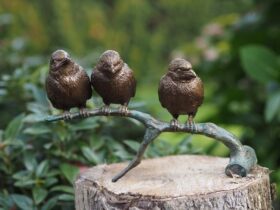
242, 157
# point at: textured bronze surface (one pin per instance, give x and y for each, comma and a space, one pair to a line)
242, 157
113, 80
181, 90
67, 84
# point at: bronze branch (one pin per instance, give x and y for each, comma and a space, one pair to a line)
242, 157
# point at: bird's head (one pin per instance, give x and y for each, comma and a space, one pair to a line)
59, 58
110, 63
180, 69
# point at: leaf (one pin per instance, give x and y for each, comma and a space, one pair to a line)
69, 171
22, 201
62, 132
132, 144
14, 127
39, 194
122, 153
37, 109
260, 63
38, 94
97, 143
90, 155
87, 124
11, 142
63, 188
47, 146
53, 172
37, 129
6, 202
24, 183
29, 161
50, 181
184, 147
50, 203
21, 175
35, 118
272, 107
42, 169
66, 197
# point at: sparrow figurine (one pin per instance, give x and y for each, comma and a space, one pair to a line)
113, 80
67, 84
181, 91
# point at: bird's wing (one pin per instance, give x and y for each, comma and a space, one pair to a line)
164, 91
53, 90
200, 91
133, 83
85, 80
97, 78
131, 79
94, 75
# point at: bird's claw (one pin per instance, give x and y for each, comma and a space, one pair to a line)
124, 110
192, 126
67, 115
105, 110
174, 124
84, 112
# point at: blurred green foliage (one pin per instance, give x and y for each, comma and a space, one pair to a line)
234, 46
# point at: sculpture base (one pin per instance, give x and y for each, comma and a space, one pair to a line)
174, 182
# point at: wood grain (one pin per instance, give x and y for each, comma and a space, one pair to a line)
174, 182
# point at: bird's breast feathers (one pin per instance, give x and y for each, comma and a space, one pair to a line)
70, 82
180, 88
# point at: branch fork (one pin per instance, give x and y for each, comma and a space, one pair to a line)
242, 157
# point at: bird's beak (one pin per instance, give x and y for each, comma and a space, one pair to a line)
66, 59
113, 69
58, 64
189, 74
192, 72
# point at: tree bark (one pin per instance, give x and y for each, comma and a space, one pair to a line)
174, 182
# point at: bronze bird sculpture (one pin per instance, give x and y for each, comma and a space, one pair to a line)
181, 91
67, 84
113, 80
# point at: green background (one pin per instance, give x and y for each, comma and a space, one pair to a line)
234, 47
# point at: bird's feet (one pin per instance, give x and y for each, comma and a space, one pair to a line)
123, 110
66, 115
191, 124
84, 112
105, 110
174, 124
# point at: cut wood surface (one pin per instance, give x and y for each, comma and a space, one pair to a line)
173, 182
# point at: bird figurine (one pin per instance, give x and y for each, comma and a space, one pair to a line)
181, 91
113, 80
67, 84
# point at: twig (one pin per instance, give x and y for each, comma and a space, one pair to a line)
242, 158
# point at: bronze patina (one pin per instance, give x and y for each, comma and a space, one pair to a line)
113, 80
181, 91
67, 84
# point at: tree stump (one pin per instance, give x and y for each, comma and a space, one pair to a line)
174, 182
